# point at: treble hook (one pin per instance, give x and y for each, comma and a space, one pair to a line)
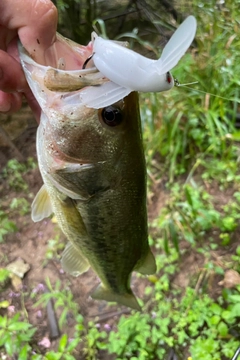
86, 61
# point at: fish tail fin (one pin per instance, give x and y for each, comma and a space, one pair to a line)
126, 299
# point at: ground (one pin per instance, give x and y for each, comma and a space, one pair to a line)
30, 243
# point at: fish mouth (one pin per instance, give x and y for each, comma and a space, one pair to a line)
58, 81
64, 54
65, 66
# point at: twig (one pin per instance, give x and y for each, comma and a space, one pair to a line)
109, 315
52, 321
23, 306
168, 6
200, 279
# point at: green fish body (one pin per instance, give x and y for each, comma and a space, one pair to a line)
94, 173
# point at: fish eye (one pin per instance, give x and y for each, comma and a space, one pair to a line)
168, 77
112, 116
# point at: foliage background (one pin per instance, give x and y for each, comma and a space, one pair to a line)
191, 141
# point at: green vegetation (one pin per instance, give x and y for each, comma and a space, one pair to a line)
7, 226
15, 336
14, 171
190, 214
192, 150
54, 248
170, 319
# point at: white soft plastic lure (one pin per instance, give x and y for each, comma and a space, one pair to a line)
129, 71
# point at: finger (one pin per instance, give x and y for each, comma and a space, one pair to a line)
33, 104
10, 103
6, 36
35, 21
11, 74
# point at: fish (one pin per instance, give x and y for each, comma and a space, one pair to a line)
94, 173
90, 153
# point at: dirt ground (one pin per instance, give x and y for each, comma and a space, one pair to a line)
30, 243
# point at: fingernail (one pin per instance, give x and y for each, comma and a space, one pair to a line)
4, 108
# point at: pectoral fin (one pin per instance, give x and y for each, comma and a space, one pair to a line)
73, 261
127, 299
148, 266
41, 206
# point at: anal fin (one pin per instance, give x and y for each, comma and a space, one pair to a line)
73, 262
148, 266
126, 299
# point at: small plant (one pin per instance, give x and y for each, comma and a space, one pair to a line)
15, 336
188, 215
13, 172
7, 226
53, 248
174, 321
4, 275
65, 348
94, 341
4, 279
63, 299
236, 259
21, 205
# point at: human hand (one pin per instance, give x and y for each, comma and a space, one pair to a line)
35, 23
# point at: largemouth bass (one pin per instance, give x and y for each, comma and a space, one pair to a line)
93, 168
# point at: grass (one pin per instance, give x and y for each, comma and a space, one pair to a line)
191, 142
183, 124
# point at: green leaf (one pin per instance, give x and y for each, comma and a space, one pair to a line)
17, 326
23, 355
5, 337
166, 247
53, 356
9, 346
222, 329
69, 357
102, 26
4, 275
3, 321
238, 251
236, 136
37, 357
4, 304
173, 234
214, 320
235, 310
72, 344
216, 309
63, 343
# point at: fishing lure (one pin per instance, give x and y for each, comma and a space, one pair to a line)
129, 71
